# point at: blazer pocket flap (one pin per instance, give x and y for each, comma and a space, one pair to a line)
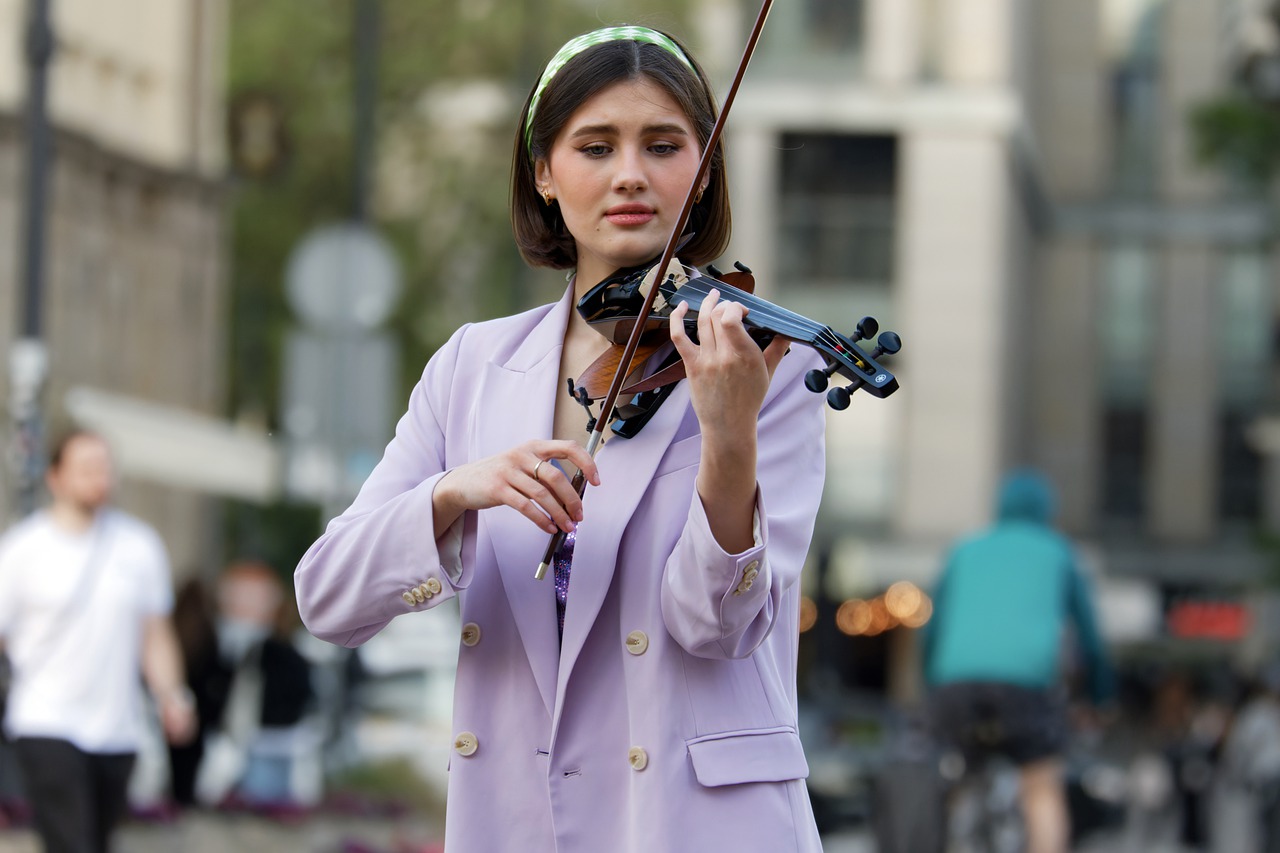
772, 755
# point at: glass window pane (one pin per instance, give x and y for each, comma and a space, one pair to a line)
1244, 329
837, 209
1127, 325
1244, 332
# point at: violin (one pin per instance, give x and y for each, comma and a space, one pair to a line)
612, 307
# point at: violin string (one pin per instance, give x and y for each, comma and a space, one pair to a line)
788, 322
784, 322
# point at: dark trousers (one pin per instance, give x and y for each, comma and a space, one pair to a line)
76, 797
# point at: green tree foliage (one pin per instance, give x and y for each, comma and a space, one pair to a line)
451, 76
1240, 135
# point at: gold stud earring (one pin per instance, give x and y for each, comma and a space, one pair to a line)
698, 198
546, 196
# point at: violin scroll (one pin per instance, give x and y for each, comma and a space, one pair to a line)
816, 380
888, 343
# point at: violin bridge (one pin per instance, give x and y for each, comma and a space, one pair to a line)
675, 270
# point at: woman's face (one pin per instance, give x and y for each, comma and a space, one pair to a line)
620, 169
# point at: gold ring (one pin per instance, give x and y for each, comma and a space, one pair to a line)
535, 470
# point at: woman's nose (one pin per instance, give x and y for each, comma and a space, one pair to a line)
630, 174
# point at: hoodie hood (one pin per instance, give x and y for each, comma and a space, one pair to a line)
1026, 496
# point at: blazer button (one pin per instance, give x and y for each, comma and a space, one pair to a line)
470, 634
433, 586
637, 758
637, 642
409, 599
416, 592
465, 743
753, 567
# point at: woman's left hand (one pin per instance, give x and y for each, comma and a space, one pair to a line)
729, 376
728, 373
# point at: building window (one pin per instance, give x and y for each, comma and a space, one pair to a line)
1127, 326
811, 36
837, 210
1132, 42
833, 26
1244, 344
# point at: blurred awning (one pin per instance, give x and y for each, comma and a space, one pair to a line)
181, 448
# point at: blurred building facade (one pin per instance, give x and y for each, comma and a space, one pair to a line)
1011, 186
134, 296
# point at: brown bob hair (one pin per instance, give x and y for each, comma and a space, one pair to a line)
539, 229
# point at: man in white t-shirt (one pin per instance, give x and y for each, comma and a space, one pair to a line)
85, 596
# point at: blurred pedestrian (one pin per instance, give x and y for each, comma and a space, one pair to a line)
1251, 757
643, 696
993, 650
254, 745
85, 596
207, 676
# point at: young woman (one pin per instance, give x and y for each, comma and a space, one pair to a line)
645, 699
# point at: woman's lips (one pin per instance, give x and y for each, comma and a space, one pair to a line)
629, 214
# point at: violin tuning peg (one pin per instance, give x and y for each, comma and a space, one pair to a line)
741, 267
867, 328
816, 380
714, 271
838, 399
887, 344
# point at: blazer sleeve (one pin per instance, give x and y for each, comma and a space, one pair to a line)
379, 559
719, 605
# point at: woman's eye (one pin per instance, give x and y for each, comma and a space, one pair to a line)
664, 148
598, 150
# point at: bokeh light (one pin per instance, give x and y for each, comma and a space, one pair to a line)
808, 613
854, 617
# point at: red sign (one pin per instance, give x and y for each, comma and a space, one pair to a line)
1208, 620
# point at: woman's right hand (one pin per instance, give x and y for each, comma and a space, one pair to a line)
507, 479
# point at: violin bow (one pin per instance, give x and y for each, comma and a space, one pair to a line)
633, 341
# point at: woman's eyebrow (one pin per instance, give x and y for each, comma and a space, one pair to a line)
612, 130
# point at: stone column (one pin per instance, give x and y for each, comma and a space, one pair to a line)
894, 41
976, 42
753, 157
1182, 460
952, 296
1183, 430
1066, 401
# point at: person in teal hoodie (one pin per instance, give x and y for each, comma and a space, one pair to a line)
994, 649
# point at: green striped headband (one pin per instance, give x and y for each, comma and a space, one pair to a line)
576, 46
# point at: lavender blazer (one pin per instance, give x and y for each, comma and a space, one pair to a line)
666, 718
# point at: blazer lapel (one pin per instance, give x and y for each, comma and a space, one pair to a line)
527, 380
626, 469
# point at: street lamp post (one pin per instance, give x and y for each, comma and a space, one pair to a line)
28, 361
